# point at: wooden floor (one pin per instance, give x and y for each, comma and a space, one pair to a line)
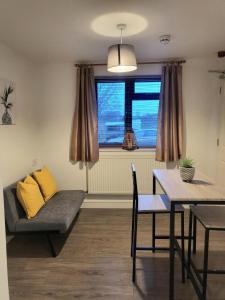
95, 263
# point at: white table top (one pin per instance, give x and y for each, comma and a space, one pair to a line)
200, 189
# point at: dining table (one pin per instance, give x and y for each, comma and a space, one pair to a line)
201, 190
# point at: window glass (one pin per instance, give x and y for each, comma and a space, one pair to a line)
147, 87
144, 121
126, 103
111, 111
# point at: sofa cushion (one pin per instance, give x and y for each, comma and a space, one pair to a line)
46, 182
56, 215
30, 197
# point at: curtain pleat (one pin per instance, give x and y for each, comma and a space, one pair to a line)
84, 138
170, 121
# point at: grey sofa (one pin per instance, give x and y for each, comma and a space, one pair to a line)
56, 217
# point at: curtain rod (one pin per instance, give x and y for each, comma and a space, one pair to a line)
141, 63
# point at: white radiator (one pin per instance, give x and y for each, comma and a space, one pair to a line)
112, 173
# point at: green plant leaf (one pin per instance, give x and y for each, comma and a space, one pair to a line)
187, 162
7, 91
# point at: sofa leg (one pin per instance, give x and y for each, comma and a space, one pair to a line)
51, 245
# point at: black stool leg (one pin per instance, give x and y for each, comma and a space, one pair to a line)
135, 247
182, 247
189, 242
153, 232
194, 235
205, 265
132, 231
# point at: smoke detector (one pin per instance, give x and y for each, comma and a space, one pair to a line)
165, 39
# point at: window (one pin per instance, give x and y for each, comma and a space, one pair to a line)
125, 103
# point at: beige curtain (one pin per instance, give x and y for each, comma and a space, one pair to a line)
84, 139
170, 122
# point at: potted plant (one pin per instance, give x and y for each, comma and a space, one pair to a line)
187, 171
6, 118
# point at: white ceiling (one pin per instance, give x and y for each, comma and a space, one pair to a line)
60, 30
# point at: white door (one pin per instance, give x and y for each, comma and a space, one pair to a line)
221, 143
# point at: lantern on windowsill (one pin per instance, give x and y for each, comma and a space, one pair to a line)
129, 142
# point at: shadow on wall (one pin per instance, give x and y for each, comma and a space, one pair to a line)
83, 165
172, 165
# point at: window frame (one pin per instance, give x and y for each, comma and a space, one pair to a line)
130, 95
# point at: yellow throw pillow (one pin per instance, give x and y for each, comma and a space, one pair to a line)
30, 196
46, 182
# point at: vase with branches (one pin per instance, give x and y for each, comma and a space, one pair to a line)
6, 117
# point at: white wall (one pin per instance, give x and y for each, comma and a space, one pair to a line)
19, 143
202, 105
57, 101
200, 94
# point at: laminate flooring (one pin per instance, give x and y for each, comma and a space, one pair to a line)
95, 262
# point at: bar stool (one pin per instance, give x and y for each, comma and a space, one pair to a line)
152, 204
212, 218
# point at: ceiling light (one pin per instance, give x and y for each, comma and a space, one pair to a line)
121, 57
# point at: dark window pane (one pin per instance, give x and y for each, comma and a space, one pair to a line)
147, 87
144, 121
111, 111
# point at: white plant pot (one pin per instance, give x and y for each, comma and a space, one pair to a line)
187, 174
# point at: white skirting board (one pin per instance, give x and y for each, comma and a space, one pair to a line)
107, 201
99, 203
110, 201
120, 204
